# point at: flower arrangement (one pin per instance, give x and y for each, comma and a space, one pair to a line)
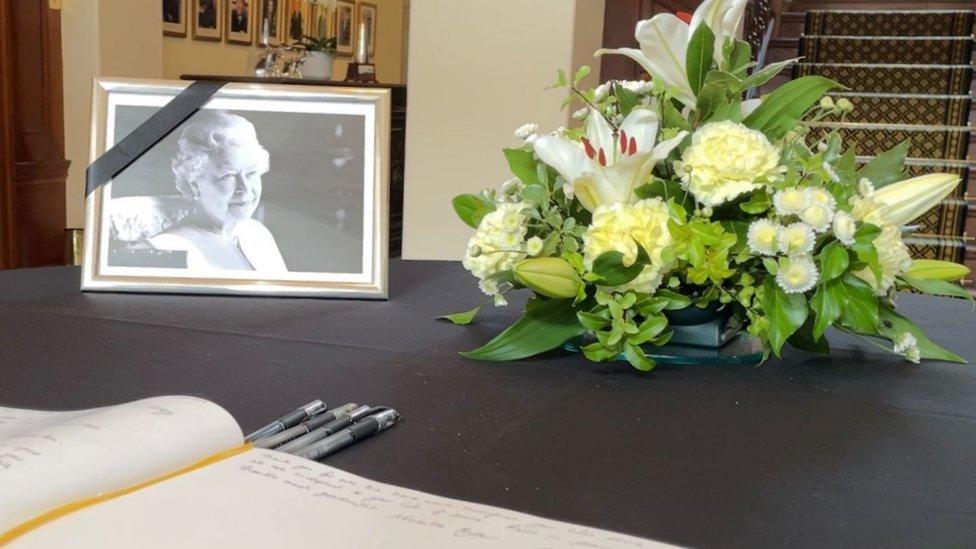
676, 193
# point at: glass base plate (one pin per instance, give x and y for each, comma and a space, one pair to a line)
742, 348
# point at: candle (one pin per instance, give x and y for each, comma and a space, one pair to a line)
362, 47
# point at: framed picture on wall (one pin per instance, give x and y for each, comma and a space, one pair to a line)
174, 18
319, 22
207, 18
345, 31
267, 190
297, 15
240, 22
269, 22
367, 15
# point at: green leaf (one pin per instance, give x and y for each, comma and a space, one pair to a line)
626, 99
698, 58
522, 164
464, 318
471, 208
780, 111
827, 305
671, 117
786, 313
544, 326
581, 74
610, 268
767, 73
711, 101
758, 203
934, 269
859, 305
649, 329
635, 355
593, 321
834, 260
805, 340
675, 300
535, 194
893, 325
740, 55
864, 247
937, 287
887, 167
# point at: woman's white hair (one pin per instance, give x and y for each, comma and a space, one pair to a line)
206, 136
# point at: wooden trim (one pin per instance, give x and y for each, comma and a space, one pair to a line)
8, 188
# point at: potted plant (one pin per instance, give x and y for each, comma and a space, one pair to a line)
318, 63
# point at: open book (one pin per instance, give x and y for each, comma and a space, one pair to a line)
94, 479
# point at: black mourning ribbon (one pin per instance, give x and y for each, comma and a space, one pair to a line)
149, 133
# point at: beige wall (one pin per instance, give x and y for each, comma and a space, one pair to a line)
478, 69
100, 38
188, 56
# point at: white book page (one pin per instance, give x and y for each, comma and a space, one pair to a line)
48, 459
263, 498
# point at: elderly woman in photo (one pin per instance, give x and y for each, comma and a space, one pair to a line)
219, 166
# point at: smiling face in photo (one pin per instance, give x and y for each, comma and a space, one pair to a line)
230, 186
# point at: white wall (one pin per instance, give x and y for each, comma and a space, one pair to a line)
477, 70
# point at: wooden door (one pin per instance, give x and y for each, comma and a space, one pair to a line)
33, 168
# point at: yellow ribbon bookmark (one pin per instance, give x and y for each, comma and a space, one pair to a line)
69, 508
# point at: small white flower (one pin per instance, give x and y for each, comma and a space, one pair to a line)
831, 173
913, 354
488, 286
500, 300
762, 237
865, 187
844, 228
525, 131
512, 186
637, 86
904, 342
582, 113
533, 246
601, 92
818, 195
790, 201
797, 238
568, 190
706, 211
818, 217
797, 274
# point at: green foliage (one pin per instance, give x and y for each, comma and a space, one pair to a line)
705, 247
834, 260
609, 268
934, 269
523, 165
698, 58
859, 305
887, 167
786, 313
937, 287
463, 318
546, 324
626, 99
758, 202
471, 208
864, 248
325, 45
893, 325
783, 108
827, 305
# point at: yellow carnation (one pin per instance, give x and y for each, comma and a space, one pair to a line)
726, 159
892, 255
621, 227
497, 245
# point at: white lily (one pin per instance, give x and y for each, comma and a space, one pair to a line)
606, 166
664, 41
903, 202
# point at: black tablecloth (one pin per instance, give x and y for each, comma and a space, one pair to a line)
856, 450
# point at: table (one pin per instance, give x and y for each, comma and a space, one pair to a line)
856, 450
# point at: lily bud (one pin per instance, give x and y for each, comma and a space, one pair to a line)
933, 269
549, 276
905, 201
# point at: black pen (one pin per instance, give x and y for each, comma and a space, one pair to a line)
306, 426
365, 428
290, 420
329, 428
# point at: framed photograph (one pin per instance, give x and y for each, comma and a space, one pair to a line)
367, 14
297, 15
269, 23
240, 22
345, 31
174, 18
267, 190
207, 17
320, 25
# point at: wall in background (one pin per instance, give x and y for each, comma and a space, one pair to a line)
189, 56
478, 69
101, 38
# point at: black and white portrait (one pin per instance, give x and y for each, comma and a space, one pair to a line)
174, 18
207, 15
241, 192
238, 22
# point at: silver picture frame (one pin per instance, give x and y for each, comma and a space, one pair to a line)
116, 248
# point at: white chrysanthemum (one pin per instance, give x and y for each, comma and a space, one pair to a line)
726, 159
533, 246
621, 227
844, 228
818, 217
496, 245
797, 239
865, 187
821, 196
831, 173
892, 255
790, 201
763, 236
797, 274
525, 131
